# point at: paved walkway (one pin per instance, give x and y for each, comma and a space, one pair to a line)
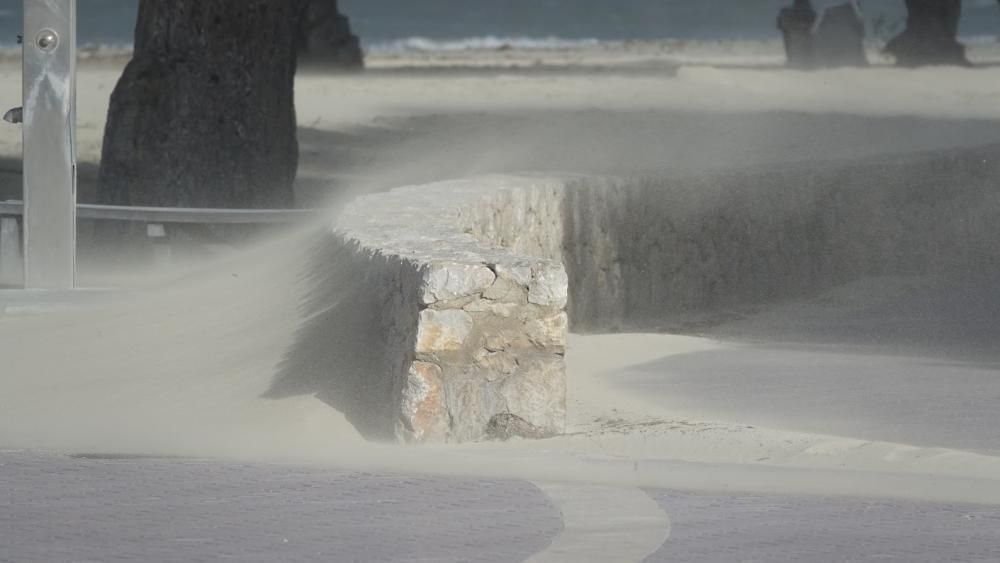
56, 508
779, 529
906, 360
849, 393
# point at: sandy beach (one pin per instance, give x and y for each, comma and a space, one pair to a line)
404, 98
741, 405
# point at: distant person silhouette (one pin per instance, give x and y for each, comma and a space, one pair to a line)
840, 37
796, 23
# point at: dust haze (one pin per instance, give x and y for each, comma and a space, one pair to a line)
179, 362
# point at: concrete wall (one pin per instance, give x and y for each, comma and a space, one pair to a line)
439, 312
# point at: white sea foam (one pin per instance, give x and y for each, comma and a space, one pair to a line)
484, 43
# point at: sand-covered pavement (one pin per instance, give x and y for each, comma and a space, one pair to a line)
913, 361
819, 420
99, 508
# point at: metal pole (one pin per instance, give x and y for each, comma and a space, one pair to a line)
11, 269
49, 133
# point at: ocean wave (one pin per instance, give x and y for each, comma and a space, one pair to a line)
485, 43
979, 39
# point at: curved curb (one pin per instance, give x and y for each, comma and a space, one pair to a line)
604, 523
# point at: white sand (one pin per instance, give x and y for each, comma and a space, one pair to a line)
176, 366
342, 102
179, 365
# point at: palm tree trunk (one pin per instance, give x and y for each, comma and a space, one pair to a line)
204, 114
325, 38
931, 35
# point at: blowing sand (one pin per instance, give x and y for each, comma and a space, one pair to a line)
178, 364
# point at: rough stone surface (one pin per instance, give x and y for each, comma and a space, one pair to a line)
519, 273
489, 324
424, 417
507, 290
442, 331
644, 252
549, 332
549, 287
506, 426
448, 281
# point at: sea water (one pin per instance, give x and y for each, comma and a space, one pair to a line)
465, 24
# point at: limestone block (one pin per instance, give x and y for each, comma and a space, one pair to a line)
549, 332
441, 331
506, 426
506, 290
449, 280
496, 363
499, 309
549, 286
519, 272
498, 340
471, 401
423, 416
537, 392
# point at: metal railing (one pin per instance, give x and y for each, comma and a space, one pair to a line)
12, 212
174, 215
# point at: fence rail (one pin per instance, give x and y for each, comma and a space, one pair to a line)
11, 255
174, 215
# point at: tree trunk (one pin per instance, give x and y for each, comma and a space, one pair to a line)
796, 24
204, 113
931, 35
325, 38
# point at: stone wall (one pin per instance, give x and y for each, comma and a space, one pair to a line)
439, 312
642, 251
450, 338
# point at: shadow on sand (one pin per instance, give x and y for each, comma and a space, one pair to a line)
341, 351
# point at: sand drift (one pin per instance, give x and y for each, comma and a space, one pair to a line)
270, 352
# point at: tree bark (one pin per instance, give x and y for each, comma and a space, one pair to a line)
325, 38
931, 35
204, 114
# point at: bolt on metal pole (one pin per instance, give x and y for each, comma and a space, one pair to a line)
49, 143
